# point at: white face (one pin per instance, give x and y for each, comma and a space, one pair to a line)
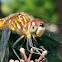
40, 31
37, 27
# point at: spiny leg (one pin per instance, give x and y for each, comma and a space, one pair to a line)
15, 44
42, 48
36, 50
17, 40
29, 43
14, 49
16, 53
40, 52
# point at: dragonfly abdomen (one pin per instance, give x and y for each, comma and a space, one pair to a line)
2, 24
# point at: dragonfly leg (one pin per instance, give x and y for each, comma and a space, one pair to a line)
16, 53
38, 50
29, 43
17, 40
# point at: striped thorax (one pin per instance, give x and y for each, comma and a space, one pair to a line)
22, 23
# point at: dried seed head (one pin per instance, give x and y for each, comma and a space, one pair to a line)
31, 61
21, 60
31, 50
11, 60
16, 60
36, 60
44, 53
22, 50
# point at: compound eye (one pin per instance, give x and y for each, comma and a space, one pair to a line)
33, 27
42, 25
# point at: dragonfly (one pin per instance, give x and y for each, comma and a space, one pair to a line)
26, 26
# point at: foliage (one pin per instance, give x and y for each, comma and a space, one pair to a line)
47, 10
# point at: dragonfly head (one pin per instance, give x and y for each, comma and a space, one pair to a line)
37, 27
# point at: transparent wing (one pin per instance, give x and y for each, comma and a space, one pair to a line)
3, 44
52, 35
50, 41
52, 31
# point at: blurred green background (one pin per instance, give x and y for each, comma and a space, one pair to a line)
47, 10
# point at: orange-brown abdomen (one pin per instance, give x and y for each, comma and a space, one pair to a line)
2, 24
